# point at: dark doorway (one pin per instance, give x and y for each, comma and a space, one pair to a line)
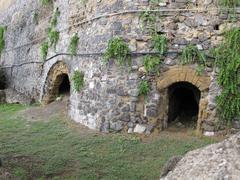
64, 87
183, 104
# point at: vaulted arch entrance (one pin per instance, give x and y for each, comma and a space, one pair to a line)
183, 103
57, 83
184, 96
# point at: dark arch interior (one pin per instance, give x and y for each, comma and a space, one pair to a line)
183, 103
64, 87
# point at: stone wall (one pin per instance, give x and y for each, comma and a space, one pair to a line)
109, 100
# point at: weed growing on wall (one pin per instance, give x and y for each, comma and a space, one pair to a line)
144, 88
53, 37
44, 50
160, 43
46, 2
117, 49
73, 44
148, 21
228, 61
152, 63
191, 54
2, 40
231, 5
78, 80
54, 18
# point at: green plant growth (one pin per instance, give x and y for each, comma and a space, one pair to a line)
148, 21
229, 3
54, 18
143, 88
73, 44
53, 37
44, 50
46, 2
160, 43
35, 18
231, 6
228, 61
117, 49
2, 39
152, 63
191, 54
78, 80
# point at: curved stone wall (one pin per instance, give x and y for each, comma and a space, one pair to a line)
109, 100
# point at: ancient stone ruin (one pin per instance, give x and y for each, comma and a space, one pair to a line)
109, 98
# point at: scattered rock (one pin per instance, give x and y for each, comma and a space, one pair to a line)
216, 161
139, 129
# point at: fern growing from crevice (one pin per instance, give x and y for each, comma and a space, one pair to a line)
78, 80
152, 64
53, 37
191, 54
228, 62
117, 49
143, 88
160, 43
73, 44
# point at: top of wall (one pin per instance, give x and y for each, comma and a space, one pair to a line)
5, 4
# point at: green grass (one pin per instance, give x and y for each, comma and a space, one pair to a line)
55, 150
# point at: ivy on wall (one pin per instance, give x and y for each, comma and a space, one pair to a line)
78, 80
228, 61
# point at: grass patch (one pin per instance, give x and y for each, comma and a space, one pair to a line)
52, 149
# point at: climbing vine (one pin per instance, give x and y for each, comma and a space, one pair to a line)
152, 63
2, 40
73, 44
118, 50
191, 54
228, 61
144, 88
78, 80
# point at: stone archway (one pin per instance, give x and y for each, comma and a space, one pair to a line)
188, 76
57, 82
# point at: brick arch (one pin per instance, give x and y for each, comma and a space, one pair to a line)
53, 81
183, 74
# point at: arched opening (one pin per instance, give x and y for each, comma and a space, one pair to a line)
2, 80
64, 87
57, 83
183, 104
